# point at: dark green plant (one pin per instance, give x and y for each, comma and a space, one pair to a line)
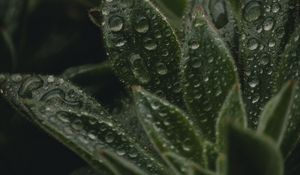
209, 89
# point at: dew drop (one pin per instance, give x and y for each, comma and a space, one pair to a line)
150, 44
252, 44
142, 25
252, 11
161, 69
268, 24
139, 69
109, 137
116, 23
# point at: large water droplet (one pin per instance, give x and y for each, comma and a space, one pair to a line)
161, 68
252, 11
252, 44
116, 23
139, 68
268, 24
150, 44
142, 25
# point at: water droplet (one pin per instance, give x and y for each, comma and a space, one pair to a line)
139, 68
116, 23
253, 83
268, 24
252, 11
142, 25
161, 68
196, 63
50, 79
29, 85
276, 7
150, 44
194, 45
109, 137
272, 43
77, 124
63, 116
16, 78
252, 44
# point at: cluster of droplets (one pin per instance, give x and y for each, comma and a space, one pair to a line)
139, 46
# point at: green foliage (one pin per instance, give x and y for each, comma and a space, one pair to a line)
207, 87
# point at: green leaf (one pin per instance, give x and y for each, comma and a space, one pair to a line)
166, 125
184, 166
72, 117
136, 35
274, 118
208, 72
249, 153
232, 111
119, 165
262, 26
289, 70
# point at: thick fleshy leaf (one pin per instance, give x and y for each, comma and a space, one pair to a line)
142, 47
249, 153
119, 165
169, 125
290, 64
232, 111
184, 166
208, 72
72, 117
274, 118
262, 26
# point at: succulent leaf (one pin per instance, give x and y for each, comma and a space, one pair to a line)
274, 118
262, 26
169, 125
119, 165
232, 111
184, 166
208, 72
289, 69
249, 153
73, 118
136, 35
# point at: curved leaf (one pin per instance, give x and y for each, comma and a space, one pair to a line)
289, 70
274, 118
169, 125
249, 154
136, 35
232, 111
262, 26
72, 117
208, 72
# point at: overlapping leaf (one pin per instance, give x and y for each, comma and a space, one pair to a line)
168, 127
249, 153
142, 47
74, 118
208, 72
274, 118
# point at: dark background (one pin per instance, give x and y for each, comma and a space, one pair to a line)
47, 37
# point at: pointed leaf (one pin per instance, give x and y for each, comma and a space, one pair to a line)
72, 117
185, 166
249, 154
262, 26
208, 72
274, 118
169, 123
142, 46
119, 165
232, 111
290, 71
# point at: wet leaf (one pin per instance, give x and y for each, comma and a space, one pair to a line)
136, 35
262, 26
274, 118
72, 117
289, 70
249, 154
184, 166
119, 165
208, 72
168, 127
232, 112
